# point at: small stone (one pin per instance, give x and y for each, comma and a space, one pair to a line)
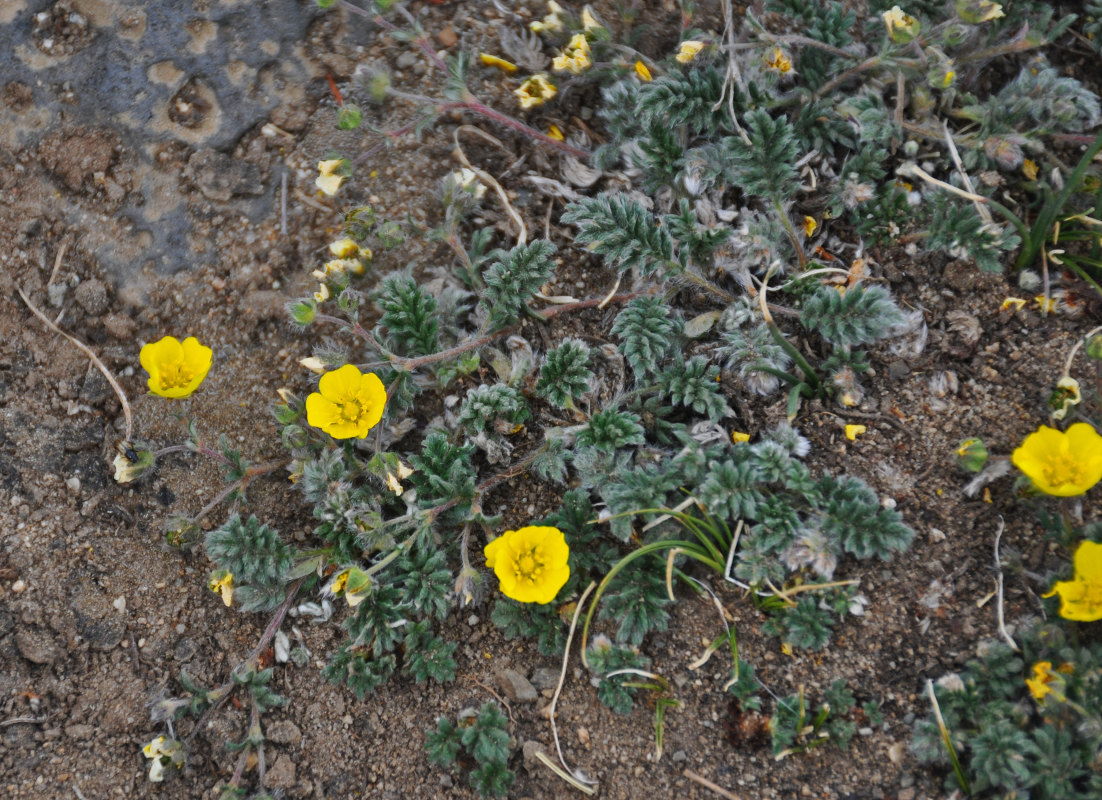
583, 736
19, 586
120, 604
906, 780
897, 370
220, 176
530, 748
896, 752
37, 646
545, 678
406, 60
119, 326
91, 295
907, 794
284, 732
73, 485
516, 687
679, 755
281, 775
447, 36
79, 731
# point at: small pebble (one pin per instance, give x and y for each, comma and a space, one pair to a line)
120, 604
19, 586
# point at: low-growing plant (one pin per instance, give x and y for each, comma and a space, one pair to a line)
479, 736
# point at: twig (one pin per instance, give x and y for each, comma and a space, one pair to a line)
981, 208
558, 690
522, 236
283, 203
707, 784
95, 360
23, 721
58, 259
999, 591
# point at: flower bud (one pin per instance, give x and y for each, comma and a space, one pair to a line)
1094, 347
1064, 396
131, 461
971, 455
303, 311
349, 117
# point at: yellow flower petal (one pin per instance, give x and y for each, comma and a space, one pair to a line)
1015, 303
853, 431
535, 91
555, 133
689, 50
643, 73
175, 369
1081, 598
1029, 169
738, 437
329, 184
507, 67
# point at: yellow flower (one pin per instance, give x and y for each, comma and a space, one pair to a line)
1045, 304
643, 73
339, 266
322, 294
688, 51
347, 404
1043, 679
574, 57
810, 226
535, 91
1062, 464
507, 67
902, 28
531, 563
1081, 598
175, 369
1016, 303
221, 582
354, 583
1029, 169
555, 133
163, 751
853, 431
778, 60
552, 23
328, 180
738, 437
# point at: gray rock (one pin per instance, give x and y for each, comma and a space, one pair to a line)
516, 687
37, 646
79, 731
92, 296
220, 177
545, 678
284, 732
281, 775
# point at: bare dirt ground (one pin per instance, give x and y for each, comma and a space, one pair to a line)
98, 615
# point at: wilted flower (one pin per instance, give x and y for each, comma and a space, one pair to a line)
347, 404
589, 20
131, 461
535, 91
689, 50
1067, 394
902, 28
531, 563
348, 248
164, 752
221, 582
328, 180
175, 369
552, 23
976, 11
1081, 598
777, 59
555, 132
1062, 464
575, 57
354, 583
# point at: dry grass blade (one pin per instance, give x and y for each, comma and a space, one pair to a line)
578, 781
88, 352
522, 234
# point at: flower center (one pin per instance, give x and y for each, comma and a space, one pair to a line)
1092, 594
1062, 470
352, 410
529, 564
176, 375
